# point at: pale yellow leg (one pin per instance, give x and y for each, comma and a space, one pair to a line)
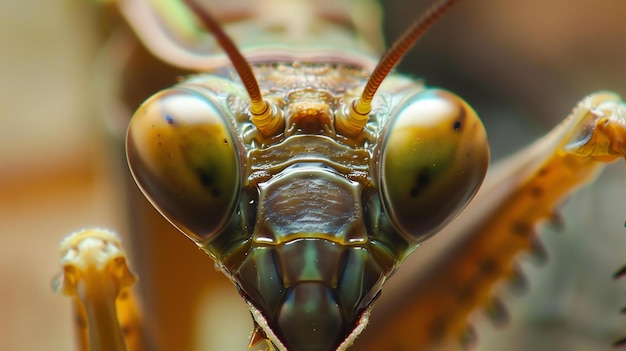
96, 274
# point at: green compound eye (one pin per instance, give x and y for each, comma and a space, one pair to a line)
434, 158
181, 153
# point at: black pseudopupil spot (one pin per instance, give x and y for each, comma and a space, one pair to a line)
206, 178
421, 181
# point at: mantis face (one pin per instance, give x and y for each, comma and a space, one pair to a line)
308, 170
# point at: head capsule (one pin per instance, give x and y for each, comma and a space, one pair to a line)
434, 157
182, 154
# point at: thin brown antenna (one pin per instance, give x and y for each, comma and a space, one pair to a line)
361, 107
260, 111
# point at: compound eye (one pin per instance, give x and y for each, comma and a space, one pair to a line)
434, 158
181, 153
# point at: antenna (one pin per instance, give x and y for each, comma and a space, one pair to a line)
261, 113
354, 122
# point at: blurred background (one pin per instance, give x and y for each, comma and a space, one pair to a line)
50, 181
522, 65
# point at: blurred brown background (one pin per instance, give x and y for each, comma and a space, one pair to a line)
49, 183
522, 65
